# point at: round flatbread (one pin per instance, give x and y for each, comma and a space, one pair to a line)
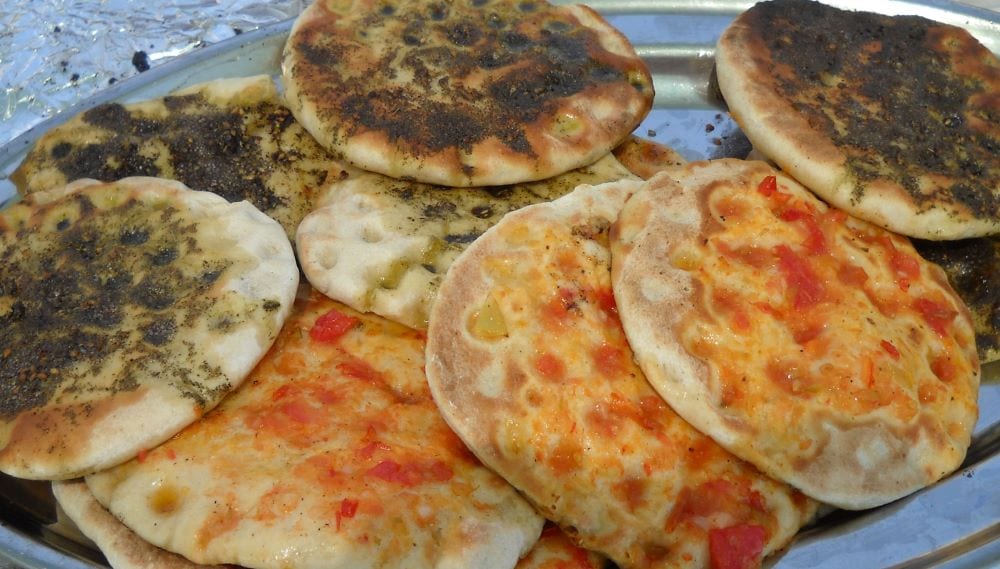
465, 93
383, 245
752, 306
121, 546
528, 363
333, 455
893, 119
644, 157
232, 137
129, 309
973, 269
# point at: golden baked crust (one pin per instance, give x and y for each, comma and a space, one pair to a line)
129, 309
332, 454
752, 307
529, 364
231, 137
383, 245
121, 546
463, 93
895, 120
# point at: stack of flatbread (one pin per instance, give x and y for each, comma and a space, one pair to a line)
527, 338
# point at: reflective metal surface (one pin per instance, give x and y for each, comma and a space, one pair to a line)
954, 524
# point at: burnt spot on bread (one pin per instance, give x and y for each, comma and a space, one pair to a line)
463, 75
892, 94
107, 294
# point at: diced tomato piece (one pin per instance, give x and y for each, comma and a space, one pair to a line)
607, 360
768, 186
348, 509
944, 368
550, 366
938, 315
606, 302
331, 326
799, 276
359, 369
736, 547
890, 349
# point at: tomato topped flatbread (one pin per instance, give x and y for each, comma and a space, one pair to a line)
332, 454
752, 307
530, 366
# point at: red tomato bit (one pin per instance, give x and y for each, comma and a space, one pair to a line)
331, 326
736, 547
768, 186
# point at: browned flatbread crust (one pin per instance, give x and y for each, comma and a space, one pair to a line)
464, 93
817, 346
644, 157
896, 120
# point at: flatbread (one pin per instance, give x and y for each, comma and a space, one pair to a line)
644, 157
383, 245
752, 306
893, 119
121, 546
973, 269
129, 309
332, 454
126, 550
233, 137
464, 93
555, 550
529, 365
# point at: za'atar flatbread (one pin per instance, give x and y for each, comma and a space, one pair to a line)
817, 346
464, 93
332, 454
232, 137
529, 364
894, 119
128, 310
383, 245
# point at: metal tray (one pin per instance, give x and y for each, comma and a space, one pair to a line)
954, 524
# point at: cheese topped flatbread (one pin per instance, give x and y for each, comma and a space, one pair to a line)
126, 550
752, 307
464, 93
332, 454
528, 363
232, 137
128, 309
895, 120
383, 245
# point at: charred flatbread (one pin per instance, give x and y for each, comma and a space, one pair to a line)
895, 120
752, 306
528, 363
973, 269
232, 137
332, 454
464, 93
383, 245
129, 309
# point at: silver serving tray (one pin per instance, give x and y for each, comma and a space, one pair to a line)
953, 524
